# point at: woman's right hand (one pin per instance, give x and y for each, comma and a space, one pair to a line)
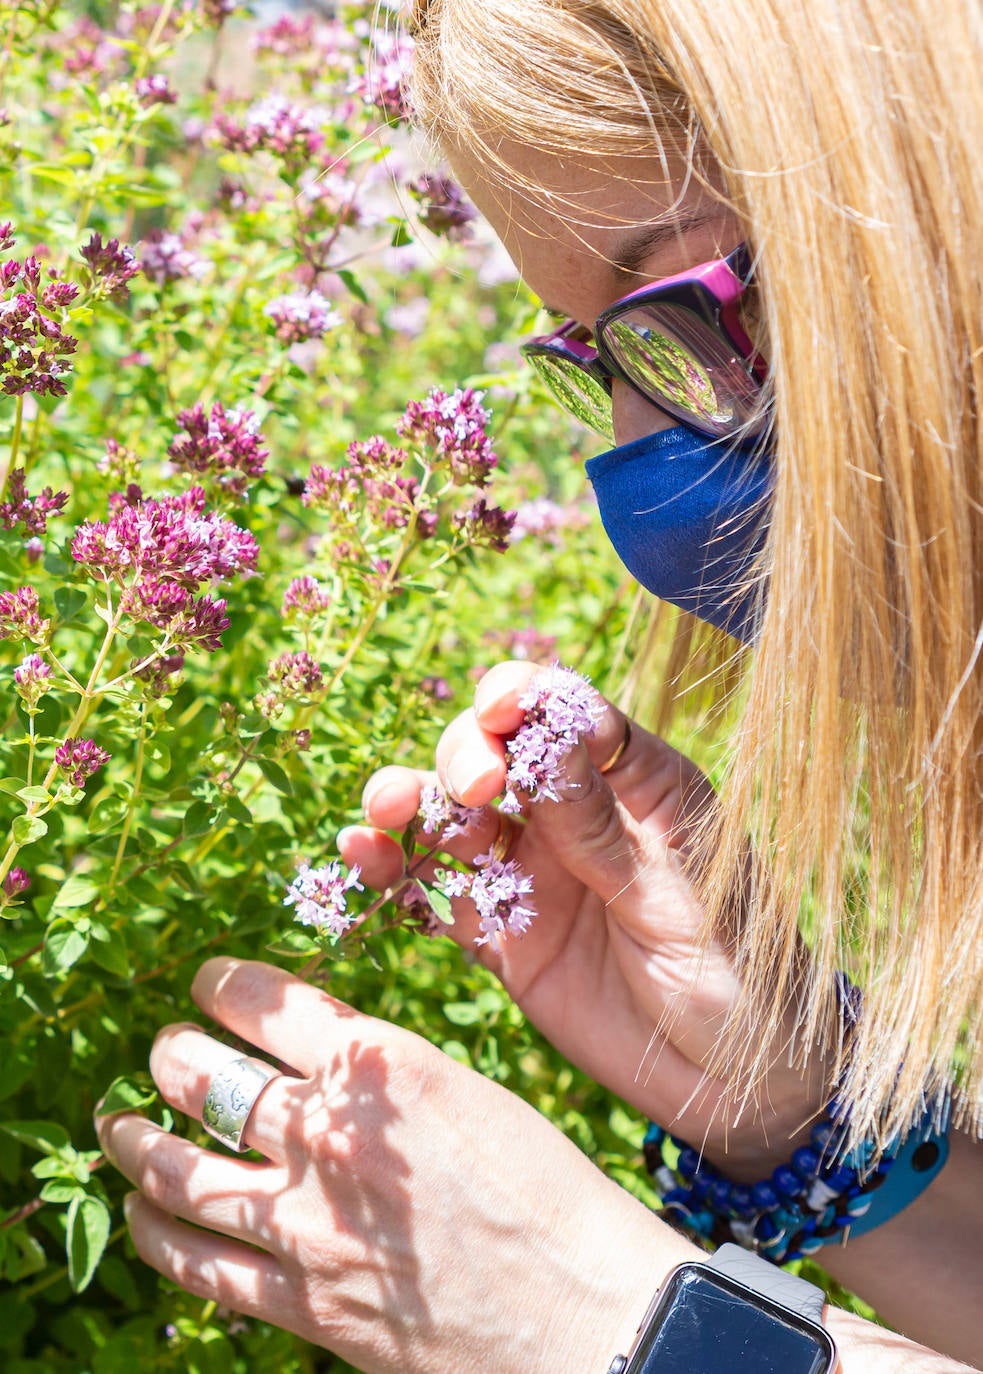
613, 969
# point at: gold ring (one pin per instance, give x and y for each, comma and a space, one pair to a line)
508, 832
622, 746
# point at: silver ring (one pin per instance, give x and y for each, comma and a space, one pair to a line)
232, 1095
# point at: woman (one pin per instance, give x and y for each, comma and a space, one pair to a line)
414, 1216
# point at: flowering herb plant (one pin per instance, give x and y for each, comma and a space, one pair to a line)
266, 511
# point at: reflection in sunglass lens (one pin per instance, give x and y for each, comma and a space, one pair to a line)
576, 390
685, 365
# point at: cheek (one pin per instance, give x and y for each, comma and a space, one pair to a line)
634, 417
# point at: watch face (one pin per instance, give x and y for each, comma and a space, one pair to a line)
707, 1324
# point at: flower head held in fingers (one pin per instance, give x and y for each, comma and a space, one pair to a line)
439, 812
319, 894
560, 708
498, 889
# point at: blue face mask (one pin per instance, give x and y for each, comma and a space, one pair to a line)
687, 515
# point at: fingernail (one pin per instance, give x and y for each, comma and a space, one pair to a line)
463, 774
343, 834
370, 792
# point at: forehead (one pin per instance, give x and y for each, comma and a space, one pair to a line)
581, 234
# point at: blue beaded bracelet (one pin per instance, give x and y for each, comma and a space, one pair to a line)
821, 1197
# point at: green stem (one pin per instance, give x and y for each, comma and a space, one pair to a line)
14, 444
134, 798
32, 745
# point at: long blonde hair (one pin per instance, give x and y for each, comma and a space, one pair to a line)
848, 134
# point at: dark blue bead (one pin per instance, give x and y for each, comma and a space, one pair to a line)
806, 1162
701, 1186
677, 1197
787, 1181
766, 1229
841, 1178
688, 1163
719, 1195
741, 1200
820, 1135
764, 1196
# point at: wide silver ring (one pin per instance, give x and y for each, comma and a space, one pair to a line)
232, 1095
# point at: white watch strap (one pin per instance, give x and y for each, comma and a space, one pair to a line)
771, 1282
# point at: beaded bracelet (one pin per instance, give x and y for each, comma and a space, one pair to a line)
823, 1195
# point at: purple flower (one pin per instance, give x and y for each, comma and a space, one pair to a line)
560, 708
438, 811
7, 238
111, 265
497, 888
33, 344
444, 208
169, 606
172, 538
302, 315
32, 678
296, 675
17, 881
545, 519
304, 599
78, 759
154, 90
227, 442
166, 257
19, 617
31, 513
273, 124
486, 526
319, 896
384, 84
157, 674
453, 428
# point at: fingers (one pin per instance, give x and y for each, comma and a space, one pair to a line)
286, 1019
184, 1060
210, 1266
224, 1194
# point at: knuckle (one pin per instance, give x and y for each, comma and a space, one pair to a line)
163, 1178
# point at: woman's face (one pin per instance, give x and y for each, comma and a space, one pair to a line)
612, 231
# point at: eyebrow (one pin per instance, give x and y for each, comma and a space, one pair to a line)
635, 248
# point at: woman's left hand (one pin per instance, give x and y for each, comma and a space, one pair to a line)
411, 1215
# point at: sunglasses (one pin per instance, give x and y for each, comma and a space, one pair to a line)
678, 342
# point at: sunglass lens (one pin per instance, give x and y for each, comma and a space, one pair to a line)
686, 366
576, 390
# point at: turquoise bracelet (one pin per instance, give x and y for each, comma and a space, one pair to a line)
822, 1196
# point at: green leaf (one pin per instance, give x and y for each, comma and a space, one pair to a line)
353, 284
59, 1190
64, 946
85, 1239
76, 891
68, 602
462, 1013
20, 1255
34, 794
11, 785
127, 1094
294, 944
46, 1136
401, 235
273, 773
198, 819
440, 904
27, 829
109, 950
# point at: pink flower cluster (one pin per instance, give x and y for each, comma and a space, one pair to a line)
29, 513
20, 617
111, 265
295, 675
18, 880
78, 759
439, 812
154, 90
304, 600
560, 708
172, 538
190, 622
452, 428
319, 895
302, 315
369, 485
499, 889
33, 343
444, 208
387, 66
545, 519
486, 526
166, 256
225, 442
275, 125
32, 678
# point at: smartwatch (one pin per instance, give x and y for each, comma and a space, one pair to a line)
734, 1311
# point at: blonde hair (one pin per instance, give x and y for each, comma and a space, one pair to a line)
848, 135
